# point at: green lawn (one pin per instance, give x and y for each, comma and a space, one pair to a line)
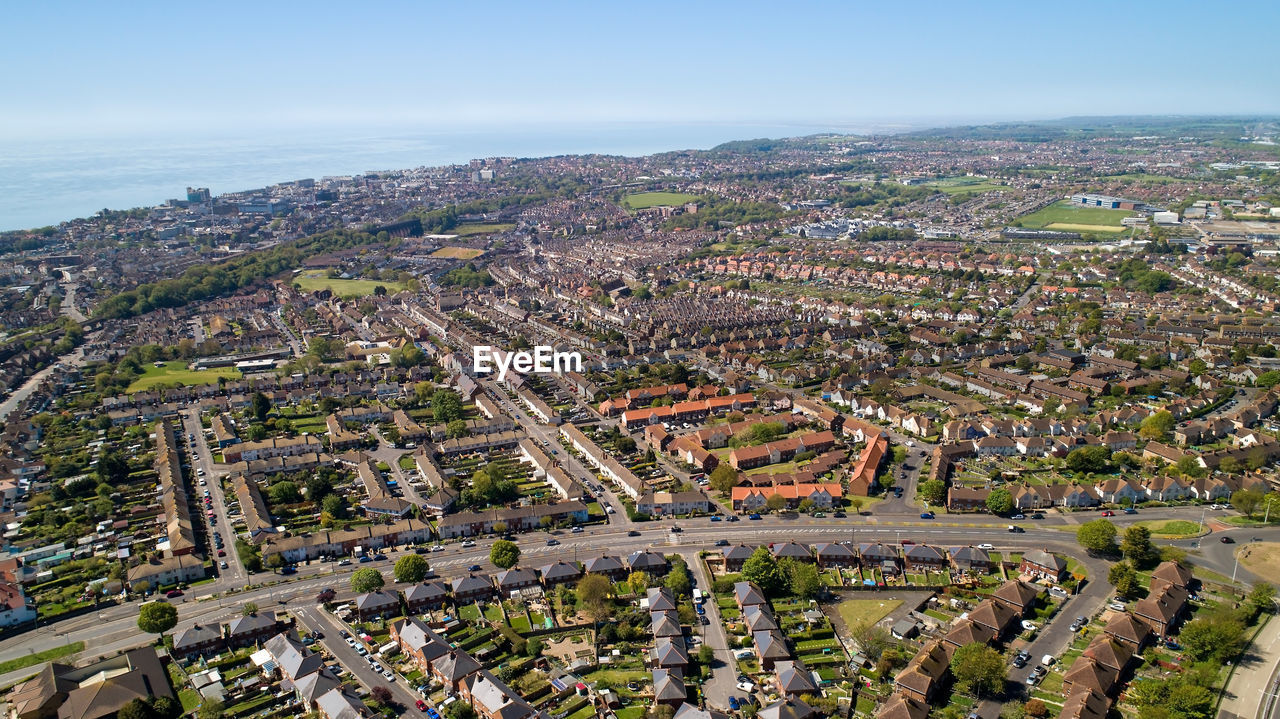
1171, 527
176, 372
643, 200
866, 611
958, 185
1063, 215
47, 655
313, 280
468, 230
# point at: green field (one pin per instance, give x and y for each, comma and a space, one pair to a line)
39, 657
1172, 527
1063, 216
959, 185
856, 612
656, 199
177, 373
313, 280
479, 229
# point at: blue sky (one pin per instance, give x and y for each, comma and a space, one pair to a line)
83, 69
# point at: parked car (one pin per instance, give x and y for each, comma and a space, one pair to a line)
986, 545
754, 516
422, 706
473, 568
722, 542
469, 543
747, 687
1130, 510
926, 515
1116, 606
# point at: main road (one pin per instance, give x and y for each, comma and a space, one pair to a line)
114, 628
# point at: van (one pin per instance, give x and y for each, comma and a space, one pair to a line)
1048, 660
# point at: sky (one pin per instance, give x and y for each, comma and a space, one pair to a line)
82, 69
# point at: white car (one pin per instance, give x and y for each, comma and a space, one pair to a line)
1029, 626
1217, 506
747, 687
1116, 606
986, 545
387, 673
438, 548
469, 543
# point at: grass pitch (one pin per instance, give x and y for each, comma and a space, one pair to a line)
176, 372
645, 200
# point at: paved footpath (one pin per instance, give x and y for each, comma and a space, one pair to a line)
1246, 694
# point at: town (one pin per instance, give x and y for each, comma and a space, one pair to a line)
965, 423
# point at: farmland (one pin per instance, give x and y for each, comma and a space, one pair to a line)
645, 200
1063, 216
171, 373
313, 280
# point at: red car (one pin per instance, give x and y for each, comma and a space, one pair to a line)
1108, 513
422, 706
222, 552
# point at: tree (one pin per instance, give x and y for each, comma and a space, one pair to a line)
1263, 597
157, 617
457, 429
275, 561
1137, 548
1098, 535
978, 669
260, 406
411, 568
776, 502
446, 406
639, 582
381, 695
872, 640
803, 579
1000, 501
249, 609
210, 709
1189, 466
857, 503
335, 505
1035, 708
762, 569
136, 709
1124, 579
366, 580
1156, 427
1246, 501
934, 491
1219, 636
706, 655
593, 591
678, 581
504, 554
319, 486
326, 596
1086, 460
724, 478
285, 492
459, 710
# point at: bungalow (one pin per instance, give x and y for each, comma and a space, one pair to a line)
1039, 563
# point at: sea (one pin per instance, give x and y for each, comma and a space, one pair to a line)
49, 181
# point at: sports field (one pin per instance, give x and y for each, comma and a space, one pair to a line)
467, 230
656, 199
177, 373
1064, 216
959, 185
457, 253
313, 280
